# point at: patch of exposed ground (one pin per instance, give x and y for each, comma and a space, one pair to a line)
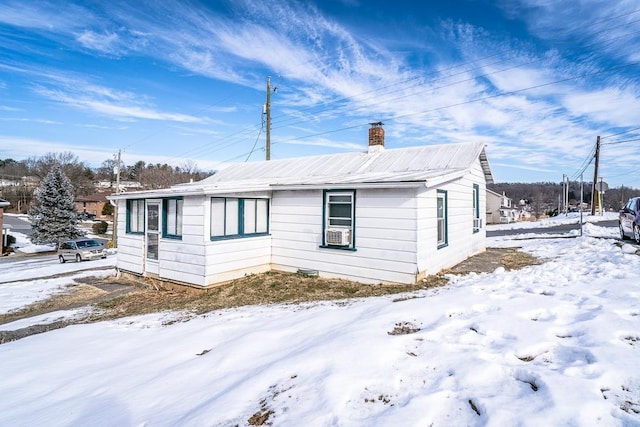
76, 295
85, 291
113, 298
492, 258
267, 288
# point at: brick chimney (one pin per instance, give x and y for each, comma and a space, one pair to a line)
376, 137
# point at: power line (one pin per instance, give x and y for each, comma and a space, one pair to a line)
601, 42
620, 133
327, 104
390, 119
206, 148
585, 163
621, 142
256, 141
412, 79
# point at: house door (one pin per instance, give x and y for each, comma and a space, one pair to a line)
152, 237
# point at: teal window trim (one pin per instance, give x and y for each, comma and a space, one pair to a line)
177, 217
444, 220
139, 206
476, 205
241, 213
325, 219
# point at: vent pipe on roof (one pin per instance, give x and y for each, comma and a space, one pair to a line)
376, 137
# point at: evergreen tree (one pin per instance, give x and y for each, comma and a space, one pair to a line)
53, 215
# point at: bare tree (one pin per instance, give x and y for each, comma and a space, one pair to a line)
79, 174
107, 171
15, 188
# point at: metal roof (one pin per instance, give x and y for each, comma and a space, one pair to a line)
418, 165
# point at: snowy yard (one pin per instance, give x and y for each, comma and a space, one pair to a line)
554, 344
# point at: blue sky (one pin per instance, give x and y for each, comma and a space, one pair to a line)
185, 82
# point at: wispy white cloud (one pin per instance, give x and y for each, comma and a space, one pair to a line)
108, 43
611, 105
329, 72
126, 112
45, 16
324, 142
21, 148
79, 93
593, 23
536, 168
31, 120
94, 126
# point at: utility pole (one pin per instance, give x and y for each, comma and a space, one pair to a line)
595, 177
565, 191
114, 232
566, 197
581, 199
268, 113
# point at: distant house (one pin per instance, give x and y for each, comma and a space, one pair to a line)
25, 181
91, 204
123, 185
3, 235
500, 209
377, 216
8, 183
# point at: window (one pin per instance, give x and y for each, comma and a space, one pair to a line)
234, 217
441, 208
477, 222
339, 219
135, 216
172, 218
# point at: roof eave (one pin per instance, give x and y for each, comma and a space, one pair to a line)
484, 163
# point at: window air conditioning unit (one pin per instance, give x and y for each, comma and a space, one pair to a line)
338, 236
477, 223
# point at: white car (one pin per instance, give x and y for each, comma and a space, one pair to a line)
81, 250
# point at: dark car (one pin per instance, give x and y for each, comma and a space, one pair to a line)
86, 216
629, 220
81, 250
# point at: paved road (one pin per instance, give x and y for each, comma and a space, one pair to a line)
17, 224
24, 268
558, 229
21, 226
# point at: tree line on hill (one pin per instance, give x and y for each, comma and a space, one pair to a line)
546, 197
19, 179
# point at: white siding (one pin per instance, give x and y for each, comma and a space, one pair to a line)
234, 258
462, 242
130, 246
385, 236
184, 259
178, 259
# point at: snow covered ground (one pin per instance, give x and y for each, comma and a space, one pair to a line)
556, 344
569, 218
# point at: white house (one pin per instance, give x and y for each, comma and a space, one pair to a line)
123, 185
377, 216
500, 209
